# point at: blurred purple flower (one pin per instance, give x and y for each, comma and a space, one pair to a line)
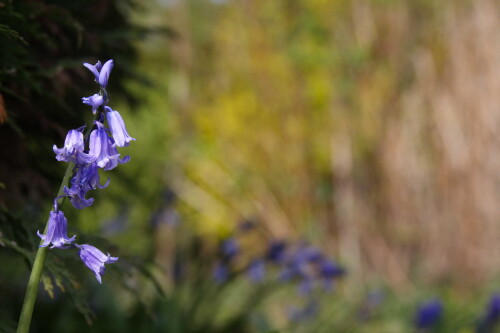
493, 312
276, 251
94, 259
230, 248
117, 127
56, 231
220, 273
488, 322
256, 270
306, 286
428, 314
312, 254
95, 101
330, 270
73, 148
293, 268
296, 314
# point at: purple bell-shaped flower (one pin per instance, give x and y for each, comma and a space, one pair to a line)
73, 149
117, 127
101, 72
56, 231
95, 101
85, 179
95, 259
101, 148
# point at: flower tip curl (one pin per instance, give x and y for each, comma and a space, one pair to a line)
105, 72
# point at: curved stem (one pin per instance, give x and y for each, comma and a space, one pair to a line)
41, 254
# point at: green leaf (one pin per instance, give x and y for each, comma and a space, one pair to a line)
10, 33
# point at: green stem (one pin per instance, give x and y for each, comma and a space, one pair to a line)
41, 254
36, 271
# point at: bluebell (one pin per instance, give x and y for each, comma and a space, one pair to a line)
95, 259
56, 231
85, 179
101, 148
95, 101
117, 127
101, 72
73, 149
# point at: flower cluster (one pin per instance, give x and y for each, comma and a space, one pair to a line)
309, 267
89, 153
300, 264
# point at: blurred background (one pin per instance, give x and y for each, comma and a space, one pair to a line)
360, 134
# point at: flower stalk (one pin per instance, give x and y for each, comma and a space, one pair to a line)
41, 255
85, 155
36, 272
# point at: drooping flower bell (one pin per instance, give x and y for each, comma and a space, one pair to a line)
101, 148
56, 231
95, 101
73, 149
117, 127
85, 179
95, 259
